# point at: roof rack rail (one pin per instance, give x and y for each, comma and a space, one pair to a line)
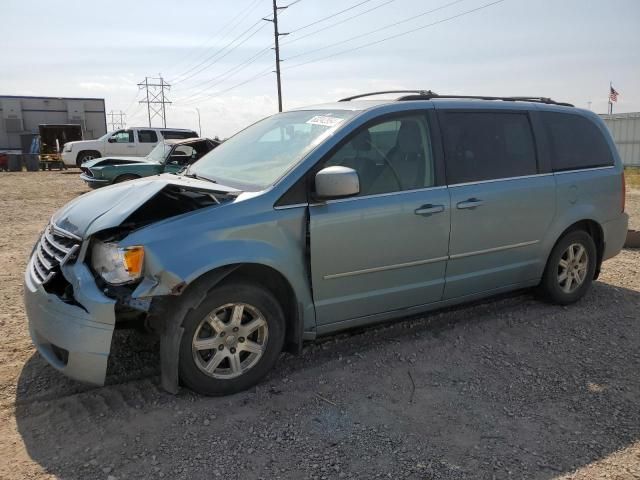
545, 100
428, 95
362, 95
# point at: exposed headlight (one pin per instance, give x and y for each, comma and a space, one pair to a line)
117, 265
67, 147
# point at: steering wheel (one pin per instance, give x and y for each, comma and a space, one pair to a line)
386, 161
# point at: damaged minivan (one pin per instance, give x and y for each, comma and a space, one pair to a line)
325, 218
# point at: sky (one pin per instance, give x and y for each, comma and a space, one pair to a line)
216, 54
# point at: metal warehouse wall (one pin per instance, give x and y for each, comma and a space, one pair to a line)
625, 128
20, 115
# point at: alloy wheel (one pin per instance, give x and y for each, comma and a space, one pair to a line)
573, 267
230, 340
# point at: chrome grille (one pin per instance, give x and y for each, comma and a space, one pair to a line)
55, 248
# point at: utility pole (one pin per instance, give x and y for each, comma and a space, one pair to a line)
156, 99
277, 36
199, 124
120, 122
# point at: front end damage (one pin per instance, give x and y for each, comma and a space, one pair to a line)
72, 310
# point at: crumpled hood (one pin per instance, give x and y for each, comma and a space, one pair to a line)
104, 161
108, 207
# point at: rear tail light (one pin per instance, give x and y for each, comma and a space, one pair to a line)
624, 191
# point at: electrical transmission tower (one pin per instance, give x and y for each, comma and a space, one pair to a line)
156, 99
117, 120
277, 36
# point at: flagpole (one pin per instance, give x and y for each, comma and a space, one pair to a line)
610, 102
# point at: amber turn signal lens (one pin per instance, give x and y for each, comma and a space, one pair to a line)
133, 260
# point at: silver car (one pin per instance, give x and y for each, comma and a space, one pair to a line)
325, 218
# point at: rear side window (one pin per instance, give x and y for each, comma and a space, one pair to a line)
575, 142
177, 135
488, 145
147, 136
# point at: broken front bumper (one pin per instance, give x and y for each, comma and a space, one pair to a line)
74, 338
94, 182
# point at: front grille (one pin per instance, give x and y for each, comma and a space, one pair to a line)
55, 248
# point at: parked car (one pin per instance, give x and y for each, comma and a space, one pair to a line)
325, 218
169, 156
131, 142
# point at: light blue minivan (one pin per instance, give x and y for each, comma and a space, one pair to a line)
325, 218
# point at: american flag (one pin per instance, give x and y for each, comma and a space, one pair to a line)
613, 94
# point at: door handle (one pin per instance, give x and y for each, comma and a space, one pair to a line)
131, 146
470, 203
429, 209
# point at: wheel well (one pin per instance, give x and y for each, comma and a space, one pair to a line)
270, 279
594, 229
82, 152
131, 176
280, 287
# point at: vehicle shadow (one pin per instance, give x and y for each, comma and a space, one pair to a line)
510, 387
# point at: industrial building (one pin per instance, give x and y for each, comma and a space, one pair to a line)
21, 116
625, 128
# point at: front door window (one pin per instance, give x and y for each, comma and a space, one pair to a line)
390, 156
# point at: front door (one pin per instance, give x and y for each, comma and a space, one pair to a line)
122, 144
385, 249
500, 206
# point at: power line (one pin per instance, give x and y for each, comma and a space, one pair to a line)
212, 79
482, 7
386, 27
239, 17
330, 16
260, 74
218, 52
226, 75
297, 38
265, 72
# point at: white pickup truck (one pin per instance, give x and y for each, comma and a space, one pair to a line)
130, 142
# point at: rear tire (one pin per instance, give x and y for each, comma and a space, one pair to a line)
231, 340
86, 156
570, 268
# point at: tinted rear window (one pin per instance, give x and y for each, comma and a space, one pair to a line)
488, 145
175, 134
147, 136
575, 142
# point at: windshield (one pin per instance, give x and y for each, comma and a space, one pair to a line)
159, 153
258, 156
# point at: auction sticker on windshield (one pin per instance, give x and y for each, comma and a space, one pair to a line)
325, 121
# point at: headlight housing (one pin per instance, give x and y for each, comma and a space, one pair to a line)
117, 265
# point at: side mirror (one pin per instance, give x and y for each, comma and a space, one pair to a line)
337, 182
112, 140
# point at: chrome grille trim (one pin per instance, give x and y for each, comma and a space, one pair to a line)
55, 248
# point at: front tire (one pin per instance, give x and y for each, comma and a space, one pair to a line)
570, 268
231, 340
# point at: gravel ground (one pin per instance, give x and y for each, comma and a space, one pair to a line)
506, 388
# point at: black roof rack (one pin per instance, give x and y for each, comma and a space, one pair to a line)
428, 95
418, 92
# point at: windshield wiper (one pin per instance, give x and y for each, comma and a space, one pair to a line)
198, 177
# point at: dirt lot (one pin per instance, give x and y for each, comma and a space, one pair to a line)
508, 388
